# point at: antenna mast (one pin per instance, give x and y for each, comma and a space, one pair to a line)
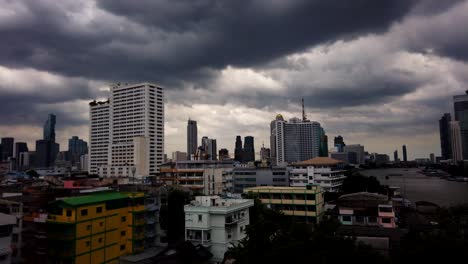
304, 117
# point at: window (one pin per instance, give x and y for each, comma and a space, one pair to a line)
123, 233
101, 223
69, 213
88, 243
122, 247
346, 218
99, 209
84, 212
386, 220
200, 218
88, 227
100, 240
123, 218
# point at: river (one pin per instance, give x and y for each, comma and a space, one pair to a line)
418, 187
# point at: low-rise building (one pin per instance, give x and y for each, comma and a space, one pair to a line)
216, 223
6, 228
100, 227
246, 177
365, 209
304, 203
323, 171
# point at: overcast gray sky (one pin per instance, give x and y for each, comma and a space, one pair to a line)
380, 73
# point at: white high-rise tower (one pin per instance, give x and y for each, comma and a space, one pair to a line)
135, 132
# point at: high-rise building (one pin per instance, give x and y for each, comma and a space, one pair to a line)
249, 149
339, 143
179, 156
265, 153
76, 148
445, 144
49, 128
212, 149
84, 162
296, 140
456, 140
405, 154
7, 148
395, 156
238, 149
323, 143
135, 117
192, 138
99, 136
223, 154
460, 103
20, 147
358, 157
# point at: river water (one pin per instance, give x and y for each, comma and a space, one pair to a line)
418, 187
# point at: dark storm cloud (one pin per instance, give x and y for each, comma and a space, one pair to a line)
178, 40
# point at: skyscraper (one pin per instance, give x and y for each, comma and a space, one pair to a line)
296, 140
460, 103
135, 117
339, 143
358, 157
76, 148
223, 154
445, 144
49, 128
323, 143
405, 155
19, 148
395, 156
7, 148
212, 149
238, 149
265, 153
249, 149
456, 140
192, 138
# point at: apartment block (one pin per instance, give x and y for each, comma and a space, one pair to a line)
216, 223
323, 171
304, 203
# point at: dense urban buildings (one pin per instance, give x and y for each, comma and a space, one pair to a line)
134, 116
76, 148
303, 203
207, 150
296, 140
179, 156
339, 144
20, 147
192, 138
405, 154
249, 149
245, 177
323, 171
223, 154
7, 148
47, 149
265, 153
460, 103
216, 223
444, 129
356, 154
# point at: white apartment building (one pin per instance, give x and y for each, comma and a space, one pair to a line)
295, 140
216, 223
134, 132
323, 171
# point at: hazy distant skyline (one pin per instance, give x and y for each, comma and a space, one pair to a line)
380, 73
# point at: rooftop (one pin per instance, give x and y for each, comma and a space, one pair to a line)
320, 161
90, 199
314, 188
216, 201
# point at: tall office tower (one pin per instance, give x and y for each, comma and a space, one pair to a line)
223, 154
192, 138
445, 144
265, 153
20, 147
395, 156
249, 149
460, 103
296, 140
339, 143
49, 128
7, 148
99, 135
360, 153
238, 149
76, 148
323, 143
135, 114
405, 155
456, 140
212, 150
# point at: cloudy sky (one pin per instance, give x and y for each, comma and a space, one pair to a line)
380, 73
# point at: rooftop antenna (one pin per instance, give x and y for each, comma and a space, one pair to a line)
304, 117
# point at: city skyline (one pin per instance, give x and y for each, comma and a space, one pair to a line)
383, 82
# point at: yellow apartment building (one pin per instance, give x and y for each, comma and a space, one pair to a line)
96, 228
303, 203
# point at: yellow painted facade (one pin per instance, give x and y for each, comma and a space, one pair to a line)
303, 202
96, 228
